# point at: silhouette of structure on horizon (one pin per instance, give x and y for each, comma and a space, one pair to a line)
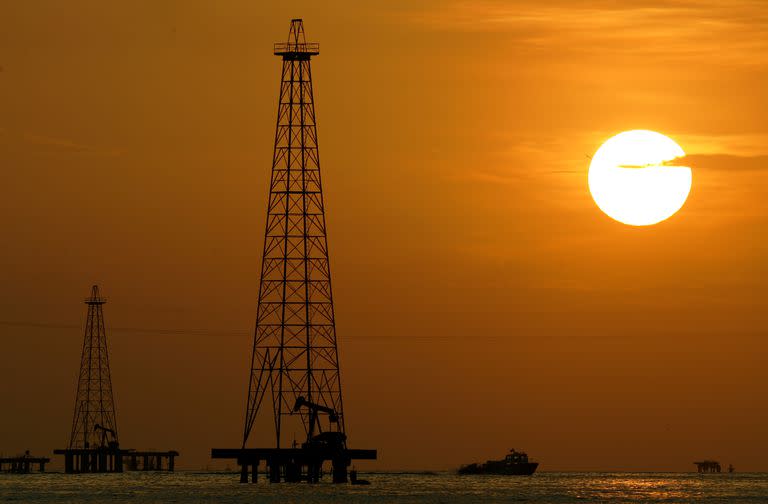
94, 422
93, 442
22, 464
708, 466
295, 359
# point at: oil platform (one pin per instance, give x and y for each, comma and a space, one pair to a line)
93, 442
295, 360
708, 466
22, 464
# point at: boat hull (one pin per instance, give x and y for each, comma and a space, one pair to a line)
521, 469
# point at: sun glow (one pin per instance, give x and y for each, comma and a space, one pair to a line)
631, 182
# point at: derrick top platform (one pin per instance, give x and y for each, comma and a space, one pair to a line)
297, 47
95, 298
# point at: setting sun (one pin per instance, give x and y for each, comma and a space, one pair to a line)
631, 182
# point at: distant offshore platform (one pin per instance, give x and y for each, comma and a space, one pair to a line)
294, 361
93, 442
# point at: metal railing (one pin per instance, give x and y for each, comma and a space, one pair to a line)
292, 47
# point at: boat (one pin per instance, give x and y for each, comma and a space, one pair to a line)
514, 464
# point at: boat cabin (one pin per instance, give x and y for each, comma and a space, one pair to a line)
516, 457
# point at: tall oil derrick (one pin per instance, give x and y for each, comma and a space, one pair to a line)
93, 444
294, 347
94, 402
294, 360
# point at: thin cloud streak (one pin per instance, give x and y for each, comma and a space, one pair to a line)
735, 33
721, 162
69, 146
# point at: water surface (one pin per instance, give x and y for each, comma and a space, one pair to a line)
188, 487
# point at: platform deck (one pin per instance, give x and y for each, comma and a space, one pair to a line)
292, 464
84, 460
22, 464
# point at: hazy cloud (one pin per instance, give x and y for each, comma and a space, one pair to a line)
52, 144
733, 32
722, 162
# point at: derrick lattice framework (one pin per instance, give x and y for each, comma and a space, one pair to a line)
294, 350
94, 403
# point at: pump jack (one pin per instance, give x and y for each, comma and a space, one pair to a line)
330, 439
104, 430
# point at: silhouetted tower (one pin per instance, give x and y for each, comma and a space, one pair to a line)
294, 348
94, 424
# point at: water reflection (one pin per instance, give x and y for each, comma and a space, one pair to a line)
185, 487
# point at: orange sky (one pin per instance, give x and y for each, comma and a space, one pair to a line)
483, 302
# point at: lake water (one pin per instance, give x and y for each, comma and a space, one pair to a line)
188, 487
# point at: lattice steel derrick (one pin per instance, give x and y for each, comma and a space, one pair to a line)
94, 402
294, 349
